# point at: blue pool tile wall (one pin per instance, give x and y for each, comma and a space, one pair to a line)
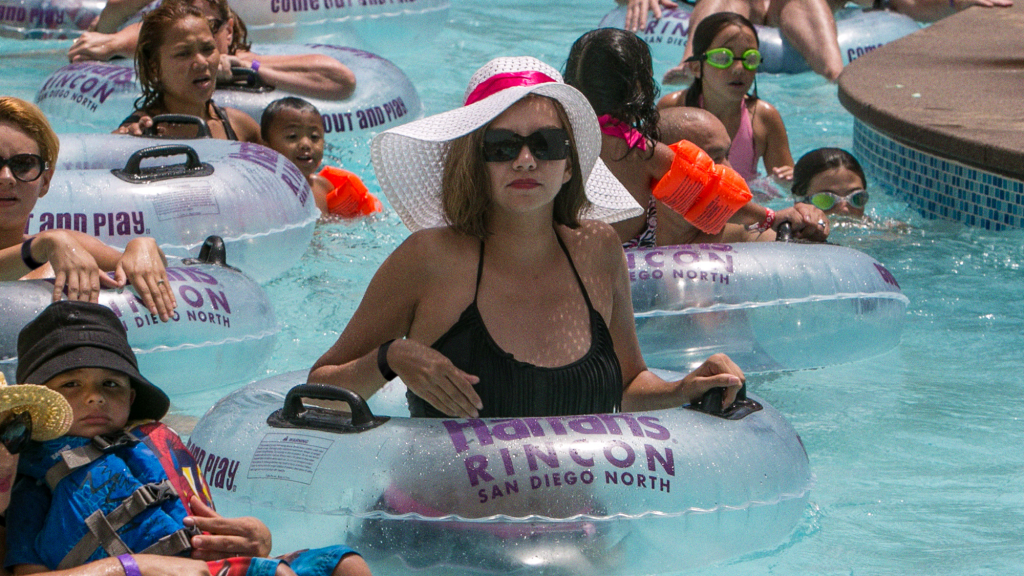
939, 187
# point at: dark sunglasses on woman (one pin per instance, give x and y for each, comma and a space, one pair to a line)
544, 144
15, 430
24, 167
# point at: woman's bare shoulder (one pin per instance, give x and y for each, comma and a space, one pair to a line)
595, 242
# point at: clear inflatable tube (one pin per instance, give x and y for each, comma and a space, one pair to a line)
373, 24
223, 331
379, 25
89, 96
252, 197
46, 19
769, 306
642, 493
859, 32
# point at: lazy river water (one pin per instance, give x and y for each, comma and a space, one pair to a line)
916, 452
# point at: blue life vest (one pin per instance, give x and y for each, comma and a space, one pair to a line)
112, 495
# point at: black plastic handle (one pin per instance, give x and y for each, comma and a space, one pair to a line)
295, 414
711, 403
784, 233
134, 172
202, 128
245, 80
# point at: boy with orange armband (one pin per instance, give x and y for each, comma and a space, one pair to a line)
294, 128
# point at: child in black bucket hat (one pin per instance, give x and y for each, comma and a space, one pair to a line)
120, 482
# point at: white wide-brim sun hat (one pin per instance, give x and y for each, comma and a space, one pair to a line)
51, 414
409, 159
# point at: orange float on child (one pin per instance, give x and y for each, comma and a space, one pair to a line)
705, 193
350, 197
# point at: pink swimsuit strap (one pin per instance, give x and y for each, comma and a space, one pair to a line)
619, 129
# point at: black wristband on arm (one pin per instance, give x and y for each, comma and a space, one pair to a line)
382, 361
26, 255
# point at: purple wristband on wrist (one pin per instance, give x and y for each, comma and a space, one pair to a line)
131, 567
255, 65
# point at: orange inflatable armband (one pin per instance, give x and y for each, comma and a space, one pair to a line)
727, 193
689, 175
350, 197
705, 193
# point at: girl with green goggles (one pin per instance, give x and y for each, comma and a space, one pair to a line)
833, 180
724, 67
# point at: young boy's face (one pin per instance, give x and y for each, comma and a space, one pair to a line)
100, 399
299, 136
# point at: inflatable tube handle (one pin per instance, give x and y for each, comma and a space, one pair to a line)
245, 80
202, 128
134, 173
784, 233
296, 415
213, 251
711, 403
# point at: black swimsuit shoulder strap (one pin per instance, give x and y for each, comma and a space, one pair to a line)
479, 271
223, 117
575, 272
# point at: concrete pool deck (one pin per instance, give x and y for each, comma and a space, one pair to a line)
939, 116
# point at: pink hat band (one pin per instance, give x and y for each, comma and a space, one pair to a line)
500, 82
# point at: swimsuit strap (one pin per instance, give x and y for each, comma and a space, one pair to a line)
223, 117
479, 272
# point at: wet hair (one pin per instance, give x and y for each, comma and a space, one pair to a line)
152, 36
822, 160
613, 69
286, 103
239, 32
465, 177
703, 36
28, 118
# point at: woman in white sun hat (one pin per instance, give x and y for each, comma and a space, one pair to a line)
511, 296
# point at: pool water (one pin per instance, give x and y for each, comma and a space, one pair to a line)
916, 453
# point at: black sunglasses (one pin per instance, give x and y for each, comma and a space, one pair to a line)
544, 144
15, 431
24, 167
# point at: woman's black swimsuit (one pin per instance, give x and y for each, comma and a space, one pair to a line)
509, 388
217, 111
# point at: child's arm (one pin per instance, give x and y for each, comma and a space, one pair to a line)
149, 565
226, 537
778, 160
321, 186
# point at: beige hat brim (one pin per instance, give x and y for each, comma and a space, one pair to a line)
51, 414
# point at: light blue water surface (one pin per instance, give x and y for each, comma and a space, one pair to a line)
917, 453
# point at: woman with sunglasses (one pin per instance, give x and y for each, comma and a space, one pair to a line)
28, 152
724, 68
307, 75
506, 301
832, 180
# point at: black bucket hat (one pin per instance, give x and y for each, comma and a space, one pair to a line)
71, 335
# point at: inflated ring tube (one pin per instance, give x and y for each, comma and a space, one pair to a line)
859, 32
770, 306
223, 331
625, 493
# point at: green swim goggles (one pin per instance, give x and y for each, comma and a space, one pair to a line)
827, 200
723, 58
